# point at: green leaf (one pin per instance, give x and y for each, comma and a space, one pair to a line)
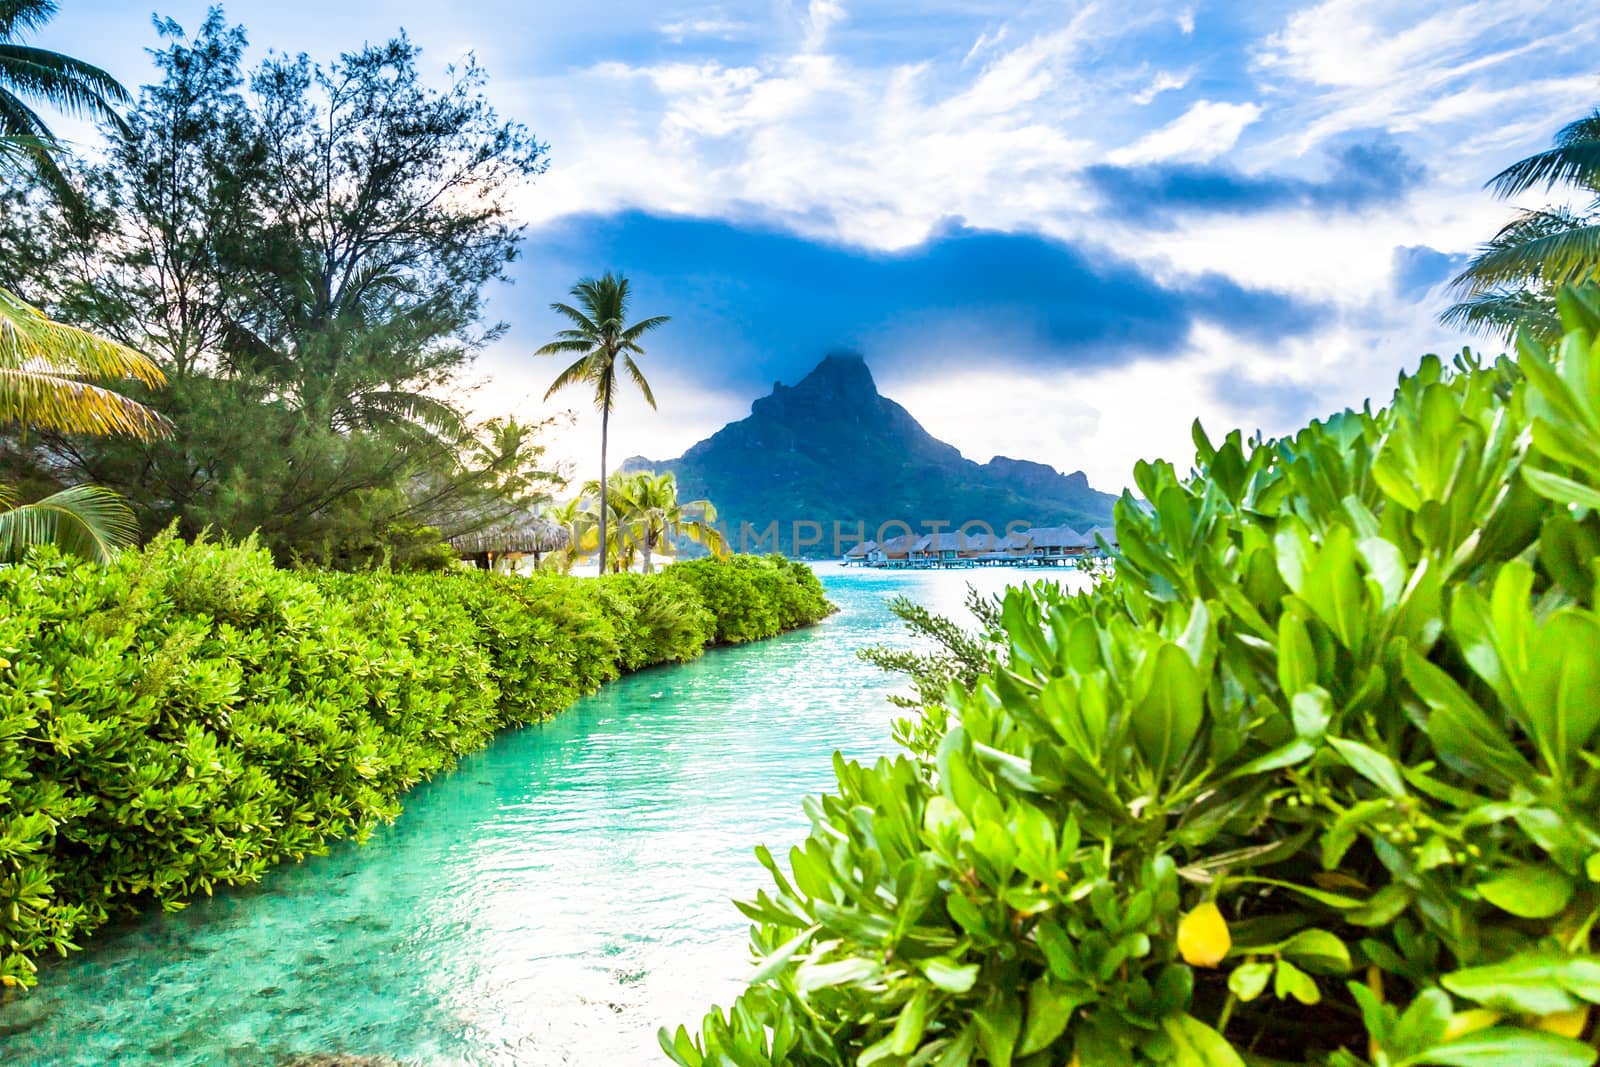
1050, 1008
1319, 951
1531, 985
1197, 1045
1565, 490
913, 1021
1504, 1047
1422, 1024
1167, 719
1297, 659
1372, 765
1290, 981
810, 977
1249, 979
1461, 730
948, 975
1562, 683
999, 1023
1529, 892
780, 957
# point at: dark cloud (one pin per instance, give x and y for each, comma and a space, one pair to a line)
1361, 175
751, 304
1418, 268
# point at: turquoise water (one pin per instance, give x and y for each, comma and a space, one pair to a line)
554, 900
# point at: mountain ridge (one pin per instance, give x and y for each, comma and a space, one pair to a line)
831, 449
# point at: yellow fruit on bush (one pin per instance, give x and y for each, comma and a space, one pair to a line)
1566, 1023
1203, 938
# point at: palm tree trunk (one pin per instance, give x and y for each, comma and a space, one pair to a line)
605, 423
649, 543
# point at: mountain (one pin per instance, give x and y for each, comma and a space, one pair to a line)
833, 449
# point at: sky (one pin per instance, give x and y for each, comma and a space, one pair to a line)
1057, 231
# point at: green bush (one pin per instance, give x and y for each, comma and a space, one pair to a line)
1311, 779
192, 714
754, 597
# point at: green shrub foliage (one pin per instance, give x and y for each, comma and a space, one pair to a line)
192, 714
753, 597
1344, 687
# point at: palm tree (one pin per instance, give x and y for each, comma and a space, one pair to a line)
43, 370
45, 367
620, 546
1511, 283
578, 521
654, 516
603, 340
68, 84
85, 520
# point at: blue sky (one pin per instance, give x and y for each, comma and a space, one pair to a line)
1058, 231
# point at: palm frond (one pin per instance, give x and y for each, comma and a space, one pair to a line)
579, 373
53, 402
582, 321
19, 147
29, 339
404, 407
557, 348
20, 16
17, 119
1503, 313
644, 326
638, 379
73, 86
1574, 164
1561, 256
86, 520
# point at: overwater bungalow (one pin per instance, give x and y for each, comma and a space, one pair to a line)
1041, 546
891, 552
860, 553
950, 547
1047, 543
1109, 533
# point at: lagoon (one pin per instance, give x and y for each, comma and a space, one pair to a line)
553, 900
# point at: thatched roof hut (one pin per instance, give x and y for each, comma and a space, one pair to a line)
510, 538
1107, 532
962, 544
861, 550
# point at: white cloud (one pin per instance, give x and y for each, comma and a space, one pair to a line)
1207, 130
1185, 19
985, 41
873, 156
714, 27
821, 16
1165, 81
1404, 66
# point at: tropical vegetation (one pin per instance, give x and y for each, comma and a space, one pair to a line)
1311, 778
1510, 285
46, 381
28, 73
605, 344
645, 519
302, 250
191, 714
48, 369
